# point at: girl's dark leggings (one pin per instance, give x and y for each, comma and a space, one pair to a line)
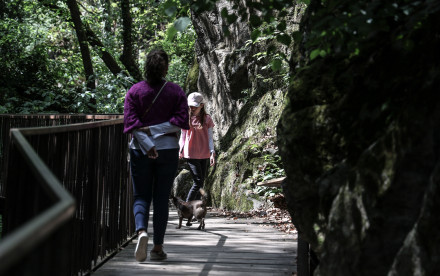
198, 168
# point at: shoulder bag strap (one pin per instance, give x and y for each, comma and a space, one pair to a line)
157, 95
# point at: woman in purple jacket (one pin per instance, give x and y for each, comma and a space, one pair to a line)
154, 112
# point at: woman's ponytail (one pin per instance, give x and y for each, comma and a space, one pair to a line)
156, 66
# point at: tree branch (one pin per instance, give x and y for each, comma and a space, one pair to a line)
94, 41
108, 59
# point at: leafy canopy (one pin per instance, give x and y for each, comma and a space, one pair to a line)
41, 64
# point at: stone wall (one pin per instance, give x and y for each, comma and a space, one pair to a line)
245, 107
360, 141
223, 70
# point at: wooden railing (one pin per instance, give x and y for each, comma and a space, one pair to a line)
48, 169
9, 121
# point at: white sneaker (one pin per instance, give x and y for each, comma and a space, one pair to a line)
141, 248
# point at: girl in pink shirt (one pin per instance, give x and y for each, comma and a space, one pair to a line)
196, 144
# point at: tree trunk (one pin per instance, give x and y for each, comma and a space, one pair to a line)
2, 9
84, 48
94, 41
108, 20
108, 59
128, 57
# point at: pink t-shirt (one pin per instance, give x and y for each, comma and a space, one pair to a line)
195, 142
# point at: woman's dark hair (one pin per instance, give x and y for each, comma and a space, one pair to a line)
156, 66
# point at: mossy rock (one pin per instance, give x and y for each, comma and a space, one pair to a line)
244, 151
182, 184
191, 79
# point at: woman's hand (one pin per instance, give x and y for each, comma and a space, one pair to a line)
146, 129
152, 153
212, 159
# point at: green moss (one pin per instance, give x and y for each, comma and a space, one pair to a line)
191, 79
240, 203
243, 153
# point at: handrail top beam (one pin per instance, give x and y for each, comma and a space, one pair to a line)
63, 116
66, 128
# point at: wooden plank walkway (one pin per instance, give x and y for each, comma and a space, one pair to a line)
225, 247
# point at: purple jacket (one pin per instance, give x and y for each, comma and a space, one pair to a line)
171, 106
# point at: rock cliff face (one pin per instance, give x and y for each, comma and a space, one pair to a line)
245, 107
359, 138
360, 141
223, 68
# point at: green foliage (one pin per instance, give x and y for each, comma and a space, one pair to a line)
269, 165
110, 92
276, 64
179, 25
176, 37
267, 191
41, 65
270, 168
30, 80
181, 50
342, 28
269, 26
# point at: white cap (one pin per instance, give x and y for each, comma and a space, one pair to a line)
195, 99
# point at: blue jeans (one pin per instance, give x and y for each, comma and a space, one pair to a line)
198, 169
152, 181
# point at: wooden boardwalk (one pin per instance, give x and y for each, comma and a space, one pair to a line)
225, 247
